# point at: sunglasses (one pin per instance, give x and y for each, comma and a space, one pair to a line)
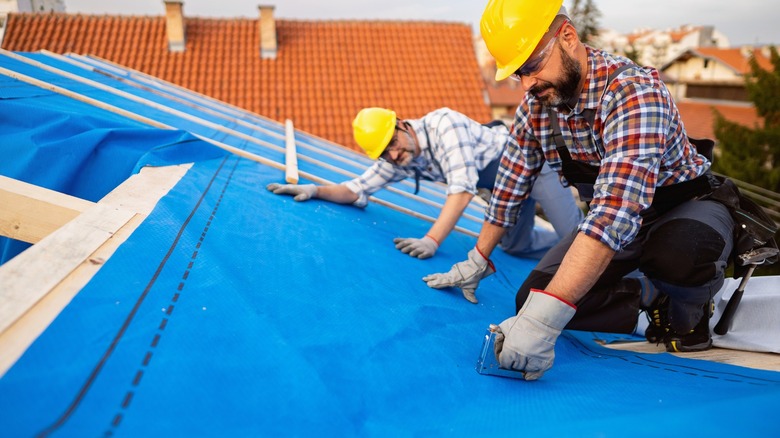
538, 62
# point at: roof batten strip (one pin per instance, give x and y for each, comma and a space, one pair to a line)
236, 151
208, 124
219, 106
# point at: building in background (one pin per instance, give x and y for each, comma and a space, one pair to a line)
8, 6
713, 73
695, 62
657, 47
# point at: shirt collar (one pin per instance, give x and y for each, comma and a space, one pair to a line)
596, 80
419, 130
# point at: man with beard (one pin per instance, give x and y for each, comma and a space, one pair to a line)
445, 145
612, 130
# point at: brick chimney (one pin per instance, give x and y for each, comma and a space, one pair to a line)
267, 32
174, 25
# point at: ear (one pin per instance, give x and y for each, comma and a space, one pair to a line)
569, 36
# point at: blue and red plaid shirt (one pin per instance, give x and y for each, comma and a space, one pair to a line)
638, 140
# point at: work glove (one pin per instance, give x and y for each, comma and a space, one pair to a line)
526, 342
465, 275
301, 192
421, 248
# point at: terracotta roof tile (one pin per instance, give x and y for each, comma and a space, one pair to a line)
699, 120
734, 58
325, 71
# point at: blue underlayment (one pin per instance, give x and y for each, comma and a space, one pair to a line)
235, 312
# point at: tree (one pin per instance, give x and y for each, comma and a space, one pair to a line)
632, 54
585, 16
753, 154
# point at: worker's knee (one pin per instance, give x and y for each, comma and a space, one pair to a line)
684, 252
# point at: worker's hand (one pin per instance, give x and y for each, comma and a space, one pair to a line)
526, 342
421, 248
465, 275
301, 192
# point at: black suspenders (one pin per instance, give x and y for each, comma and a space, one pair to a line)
588, 114
583, 176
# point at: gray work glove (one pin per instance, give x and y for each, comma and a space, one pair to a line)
465, 275
526, 342
301, 192
421, 248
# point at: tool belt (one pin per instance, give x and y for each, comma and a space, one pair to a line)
753, 228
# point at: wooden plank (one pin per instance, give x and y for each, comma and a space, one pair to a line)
29, 276
749, 359
38, 283
29, 212
290, 156
15, 340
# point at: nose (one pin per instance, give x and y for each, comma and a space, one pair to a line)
528, 81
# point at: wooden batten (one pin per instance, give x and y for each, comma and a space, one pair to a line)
29, 212
38, 283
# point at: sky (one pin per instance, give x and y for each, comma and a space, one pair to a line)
741, 21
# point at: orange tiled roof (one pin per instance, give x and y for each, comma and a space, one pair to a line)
700, 122
633, 36
734, 58
505, 94
678, 34
325, 71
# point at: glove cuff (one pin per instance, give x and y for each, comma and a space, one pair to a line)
434, 240
481, 260
548, 309
311, 189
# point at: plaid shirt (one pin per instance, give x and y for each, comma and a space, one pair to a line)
453, 149
638, 140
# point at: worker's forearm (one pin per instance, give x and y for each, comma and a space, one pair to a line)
337, 193
582, 266
452, 210
489, 237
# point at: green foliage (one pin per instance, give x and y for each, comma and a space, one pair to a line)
745, 154
585, 16
763, 88
752, 154
632, 54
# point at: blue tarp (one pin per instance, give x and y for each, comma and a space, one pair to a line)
235, 312
72, 147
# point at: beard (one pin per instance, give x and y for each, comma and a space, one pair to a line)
408, 153
565, 89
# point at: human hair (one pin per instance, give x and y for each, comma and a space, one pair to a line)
558, 21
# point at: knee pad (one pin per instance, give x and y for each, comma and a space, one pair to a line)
535, 280
683, 252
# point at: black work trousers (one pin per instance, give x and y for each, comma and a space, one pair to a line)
684, 252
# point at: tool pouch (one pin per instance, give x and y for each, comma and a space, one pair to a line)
753, 227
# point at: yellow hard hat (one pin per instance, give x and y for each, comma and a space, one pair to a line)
373, 128
513, 28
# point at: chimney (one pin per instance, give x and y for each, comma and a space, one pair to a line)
267, 32
174, 25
